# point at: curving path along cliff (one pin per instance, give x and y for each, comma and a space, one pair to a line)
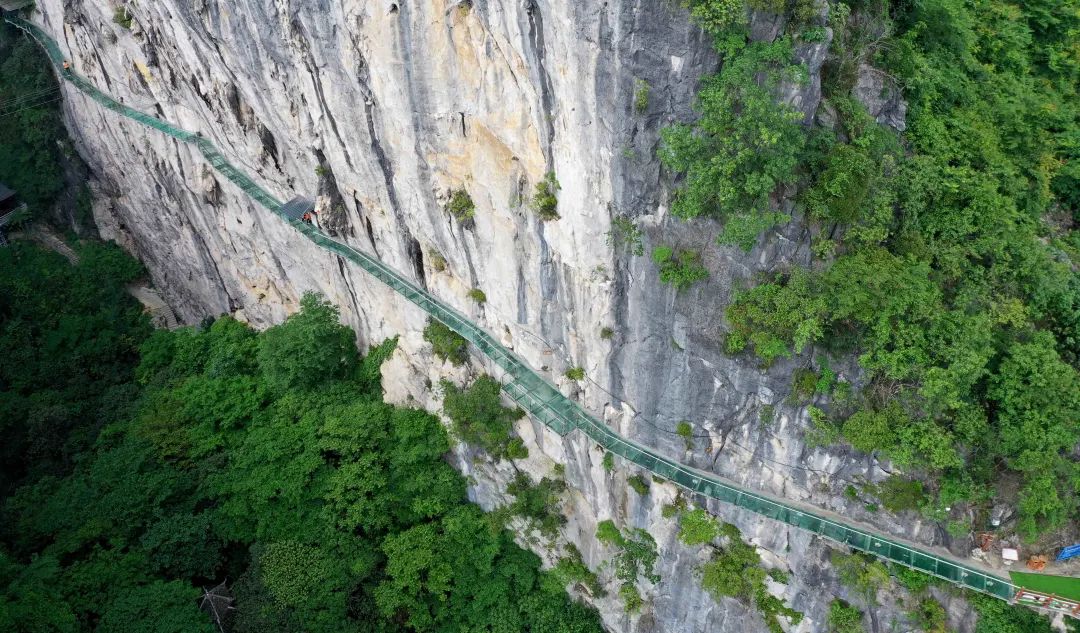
159, 311
564, 416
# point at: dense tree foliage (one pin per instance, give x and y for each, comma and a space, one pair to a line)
267, 460
306, 353
724, 177
31, 132
70, 336
948, 253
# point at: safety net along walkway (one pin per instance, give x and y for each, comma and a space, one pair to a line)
546, 404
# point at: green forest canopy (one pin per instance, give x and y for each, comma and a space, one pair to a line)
141, 466
947, 255
31, 130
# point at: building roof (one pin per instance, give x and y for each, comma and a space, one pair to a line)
5, 192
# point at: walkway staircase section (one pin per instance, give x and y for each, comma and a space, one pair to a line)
546, 404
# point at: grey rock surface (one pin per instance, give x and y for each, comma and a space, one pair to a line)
881, 96
382, 109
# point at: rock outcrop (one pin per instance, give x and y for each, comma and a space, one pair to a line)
881, 96
383, 109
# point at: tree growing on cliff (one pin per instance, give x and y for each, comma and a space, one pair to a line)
446, 343
478, 417
545, 199
722, 176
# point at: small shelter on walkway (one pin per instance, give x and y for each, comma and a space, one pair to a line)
296, 208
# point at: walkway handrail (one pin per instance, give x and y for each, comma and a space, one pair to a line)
542, 400
4, 219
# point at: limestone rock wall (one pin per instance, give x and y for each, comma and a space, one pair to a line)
383, 108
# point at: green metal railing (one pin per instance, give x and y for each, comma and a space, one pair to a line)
544, 402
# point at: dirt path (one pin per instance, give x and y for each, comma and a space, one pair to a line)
160, 312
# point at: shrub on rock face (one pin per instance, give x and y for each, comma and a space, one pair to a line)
717, 16
641, 96
686, 431
516, 449
538, 503
871, 431
898, 494
544, 201
122, 17
696, 527
681, 269
735, 571
446, 343
438, 262
636, 556
639, 485
844, 618
930, 615
461, 205
625, 232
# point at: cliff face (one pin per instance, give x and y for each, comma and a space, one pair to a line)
382, 109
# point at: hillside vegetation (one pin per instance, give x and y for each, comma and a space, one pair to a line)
31, 131
143, 466
945, 257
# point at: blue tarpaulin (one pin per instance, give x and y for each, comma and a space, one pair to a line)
1069, 552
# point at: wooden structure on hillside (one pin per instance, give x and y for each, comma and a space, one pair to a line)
10, 209
8, 199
